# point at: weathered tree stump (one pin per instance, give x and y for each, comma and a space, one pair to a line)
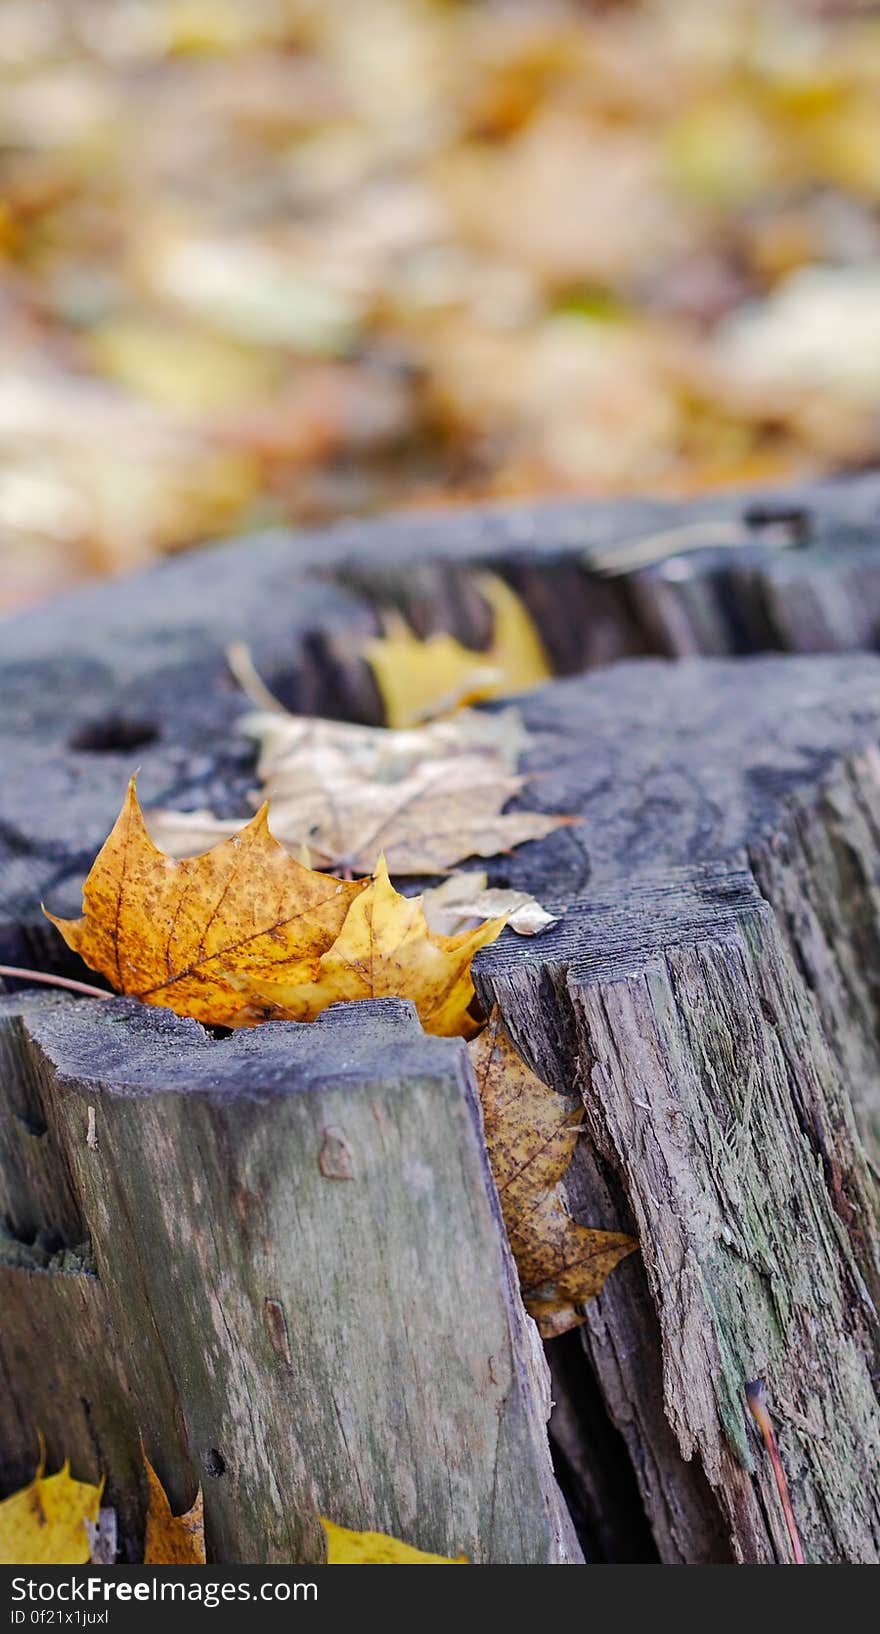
279, 1257
713, 989
701, 991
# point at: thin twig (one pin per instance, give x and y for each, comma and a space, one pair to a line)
23, 975
238, 657
646, 549
756, 1396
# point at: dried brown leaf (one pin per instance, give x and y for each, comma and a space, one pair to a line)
531, 1133
424, 798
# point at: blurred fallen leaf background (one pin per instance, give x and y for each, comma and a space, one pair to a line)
271, 261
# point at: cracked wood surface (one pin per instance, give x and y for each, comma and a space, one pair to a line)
711, 989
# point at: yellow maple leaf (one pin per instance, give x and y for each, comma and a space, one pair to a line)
172, 1540
44, 1524
422, 679
531, 1132
192, 935
346, 1548
386, 948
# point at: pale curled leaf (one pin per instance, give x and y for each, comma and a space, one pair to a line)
531, 1132
524, 913
463, 900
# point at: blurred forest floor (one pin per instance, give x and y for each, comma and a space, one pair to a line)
272, 261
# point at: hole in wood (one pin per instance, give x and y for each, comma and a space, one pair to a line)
51, 1242
114, 734
35, 1125
24, 1236
26, 1249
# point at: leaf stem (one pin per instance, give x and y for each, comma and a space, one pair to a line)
23, 975
756, 1396
238, 657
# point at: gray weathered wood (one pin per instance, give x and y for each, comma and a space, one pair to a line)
715, 1032
713, 1029
772, 761
280, 1257
709, 1093
714, 987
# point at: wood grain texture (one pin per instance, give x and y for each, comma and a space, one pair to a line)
712, 1011
705, 1078
302, 1336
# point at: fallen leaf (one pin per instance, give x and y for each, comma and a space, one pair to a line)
179, 368
172, 1540
425, 821
45, 1523
518, 301
243, 933
253, 294
288, 741
516, 645
386, 948
191, 935
531, 1132
464, 900
419, 679
346, 1548
562, 1264
425, 798
523, 912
